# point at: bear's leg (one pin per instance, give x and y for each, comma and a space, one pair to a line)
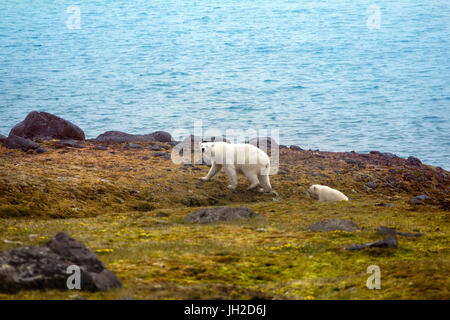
253, 179
265, 183
231, 170
214, 169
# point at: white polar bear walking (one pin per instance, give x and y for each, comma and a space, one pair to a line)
238, 158
325, 193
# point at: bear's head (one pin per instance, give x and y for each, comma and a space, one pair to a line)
313, 191
207, 148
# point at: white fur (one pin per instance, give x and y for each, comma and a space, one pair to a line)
324, 193
238, 158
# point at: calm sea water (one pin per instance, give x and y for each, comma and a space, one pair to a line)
314, 70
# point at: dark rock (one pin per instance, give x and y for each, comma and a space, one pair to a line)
364, 155
46, 126
45, 267
264, 143
282, 146
41, 150
388, 155
361, 165
350, 161
2, 138
418, 199
68, 143
413, 161
210, 215
391, 180
386, 243
214, 139
371, 185
388, 205
422, 197
333, 225
159, 154
145, 158
295, 148
98, 147
119, 137
378, 153
161, 136
386, 231
164, 155
16, 142
155, 148
133, 146
162, 215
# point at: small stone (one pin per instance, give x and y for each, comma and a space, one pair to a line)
16, 142
413, 161
388, 155
333, 225
68, 143
145, 158
371, 185
98, 147
380, 204
386, 243
384, 231
155, 148
133, 146
210, 215
295, 148
163, 155
418, 199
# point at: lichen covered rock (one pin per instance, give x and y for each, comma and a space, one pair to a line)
45, 267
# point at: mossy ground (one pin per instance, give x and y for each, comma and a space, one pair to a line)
131, 212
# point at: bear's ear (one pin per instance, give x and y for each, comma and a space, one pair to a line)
314, 188
212, 145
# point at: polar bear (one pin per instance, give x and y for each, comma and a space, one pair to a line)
238, 158
324, 193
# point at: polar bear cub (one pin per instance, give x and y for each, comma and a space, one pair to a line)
238, 158
324, 193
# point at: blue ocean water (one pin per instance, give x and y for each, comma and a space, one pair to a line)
314, 70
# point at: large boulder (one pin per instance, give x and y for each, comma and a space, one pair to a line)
119, 137
16, 142
210, 215
45, 267
46, 126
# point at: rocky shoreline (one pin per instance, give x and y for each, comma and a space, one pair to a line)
122, 196
372, 173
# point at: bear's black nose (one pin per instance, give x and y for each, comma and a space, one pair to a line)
203, 149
